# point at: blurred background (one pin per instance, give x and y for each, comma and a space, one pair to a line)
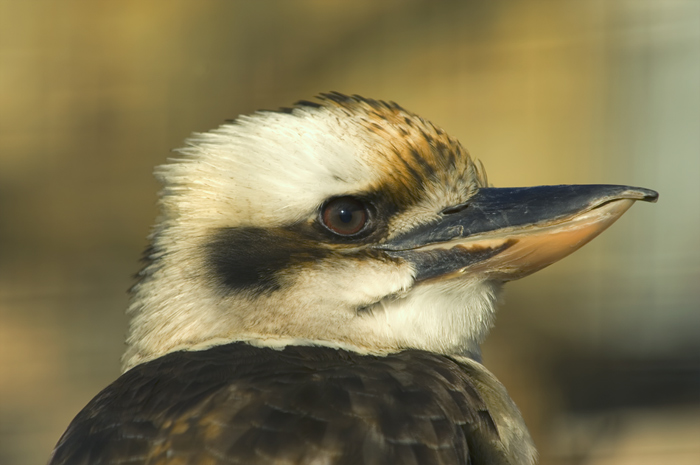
601, 351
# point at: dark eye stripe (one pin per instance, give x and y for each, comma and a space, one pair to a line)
252, 259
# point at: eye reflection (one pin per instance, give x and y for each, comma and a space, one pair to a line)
344, 216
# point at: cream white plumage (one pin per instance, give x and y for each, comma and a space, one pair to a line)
272, 169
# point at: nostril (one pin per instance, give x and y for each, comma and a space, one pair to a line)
455, 209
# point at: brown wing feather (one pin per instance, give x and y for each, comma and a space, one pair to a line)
241, 404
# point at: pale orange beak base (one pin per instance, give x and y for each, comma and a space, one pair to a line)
536, 247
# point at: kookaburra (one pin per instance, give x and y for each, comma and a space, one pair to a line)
316, 291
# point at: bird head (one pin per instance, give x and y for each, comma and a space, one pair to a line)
348, 223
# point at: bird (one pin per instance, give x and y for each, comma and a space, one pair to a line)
316, 290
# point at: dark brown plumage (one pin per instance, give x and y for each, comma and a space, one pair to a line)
241, 404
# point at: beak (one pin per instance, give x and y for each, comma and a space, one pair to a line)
509, 233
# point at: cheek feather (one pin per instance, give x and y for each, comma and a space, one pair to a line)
445, 317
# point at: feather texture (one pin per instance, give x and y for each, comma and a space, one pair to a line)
237, 403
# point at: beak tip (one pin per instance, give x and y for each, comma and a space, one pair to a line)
645, 195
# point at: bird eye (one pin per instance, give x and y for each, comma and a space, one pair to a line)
344, 215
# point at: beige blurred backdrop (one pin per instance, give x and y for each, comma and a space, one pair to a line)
601, 351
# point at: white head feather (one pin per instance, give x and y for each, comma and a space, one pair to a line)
273, 169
